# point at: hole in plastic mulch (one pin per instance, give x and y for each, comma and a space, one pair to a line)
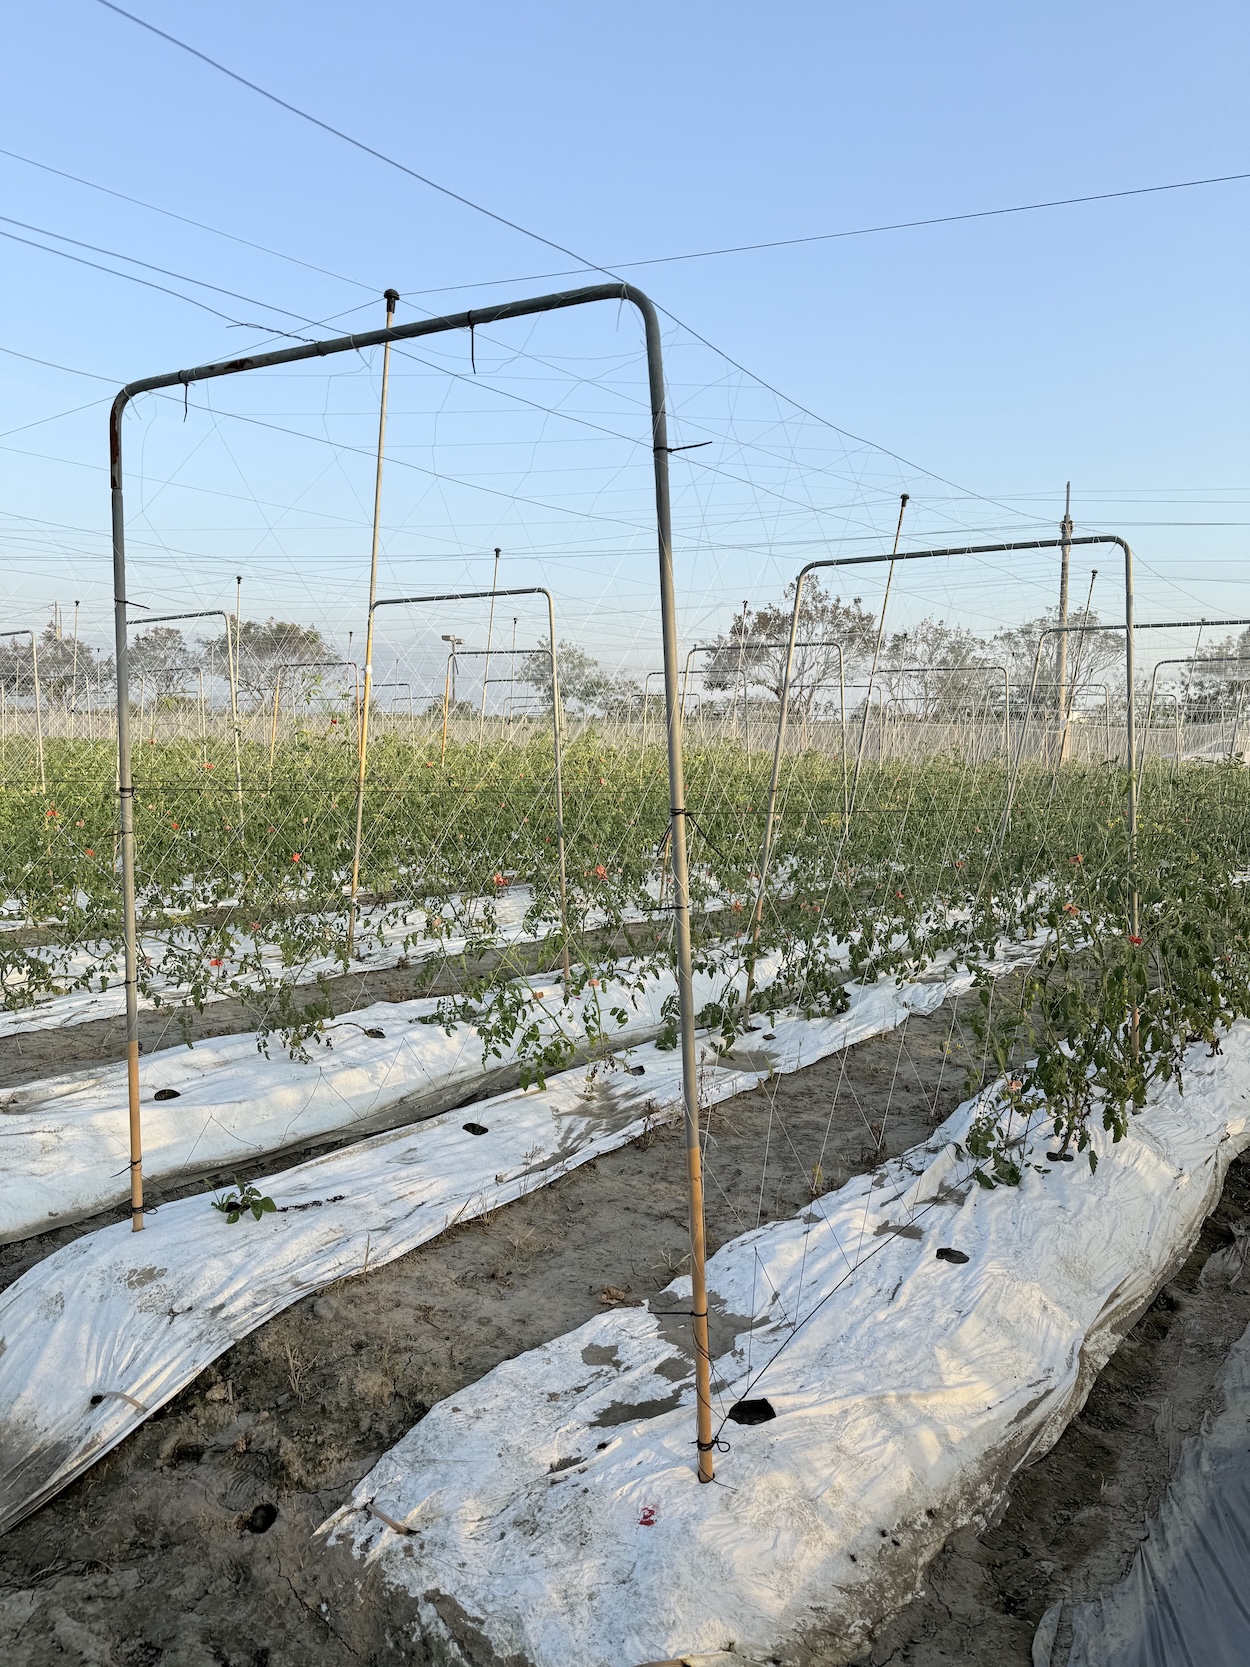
1061, 1157
752, 1412
376, 1034
770, 1035
946, 1254
636, 1070
476, 1128
167, 1094
260, 1519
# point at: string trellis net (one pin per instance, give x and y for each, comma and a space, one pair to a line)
889, 856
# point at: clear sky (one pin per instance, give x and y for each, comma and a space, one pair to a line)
999, 357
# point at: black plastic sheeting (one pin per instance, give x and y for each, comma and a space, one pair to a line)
1186, 1600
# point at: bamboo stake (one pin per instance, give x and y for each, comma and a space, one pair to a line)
490, 626
876, 655
391, 298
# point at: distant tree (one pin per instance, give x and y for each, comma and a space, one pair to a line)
916, 670
163, 658
56, 665
1210, 692
584, 685
1090, 653
264, 646
753, 650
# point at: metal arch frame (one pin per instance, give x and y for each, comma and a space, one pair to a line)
803, 642
232, 665
1093, 688
295, 665
619, 292
488, 654
184, 669
971, 670
26, 631
1197, 660
1130, 700
477, 596
930, 555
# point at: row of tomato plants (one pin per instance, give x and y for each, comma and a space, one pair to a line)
242, 903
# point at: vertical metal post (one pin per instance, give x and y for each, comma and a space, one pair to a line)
846, 798
446, 703
34, 661
1130, 637
1176, 703
1232, 745
490, 626
559, 781
126, 813
273, 722
876, 655
233, 662
391, 297
742, 678
73, 683
1061, 670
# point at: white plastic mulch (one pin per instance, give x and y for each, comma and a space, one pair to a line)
105, 1330
384, 940
550, 1513
64, 1141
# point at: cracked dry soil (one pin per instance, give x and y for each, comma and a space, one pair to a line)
190, 1546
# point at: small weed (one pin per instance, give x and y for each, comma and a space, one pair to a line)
297, 1373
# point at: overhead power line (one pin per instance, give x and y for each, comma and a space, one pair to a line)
199, 225
857, 231
357, 144
133, 260
613, 270
512, 225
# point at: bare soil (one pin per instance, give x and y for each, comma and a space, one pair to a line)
190, 1546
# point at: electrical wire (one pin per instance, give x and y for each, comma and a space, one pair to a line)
200, 225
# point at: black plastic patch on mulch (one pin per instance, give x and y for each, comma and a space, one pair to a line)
752, 1412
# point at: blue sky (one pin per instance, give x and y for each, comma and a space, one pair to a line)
998, 357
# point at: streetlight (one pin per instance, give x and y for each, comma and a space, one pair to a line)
449, 684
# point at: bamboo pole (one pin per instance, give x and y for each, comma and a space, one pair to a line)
490, 626
273, 722
391, 298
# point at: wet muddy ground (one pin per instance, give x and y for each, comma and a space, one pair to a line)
190, 1546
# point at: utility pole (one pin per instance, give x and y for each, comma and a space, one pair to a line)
1061, 670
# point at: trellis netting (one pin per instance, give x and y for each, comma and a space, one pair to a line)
888, 850
148, 1312
882, 1364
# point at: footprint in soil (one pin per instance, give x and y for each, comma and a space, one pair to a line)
246, 1484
